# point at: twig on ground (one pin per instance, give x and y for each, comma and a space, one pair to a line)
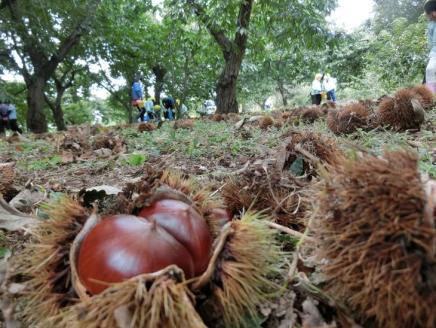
290, 232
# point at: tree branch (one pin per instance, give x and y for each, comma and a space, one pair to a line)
23, 70
241, 34
218, 33
72, 39
6, 3
49, 103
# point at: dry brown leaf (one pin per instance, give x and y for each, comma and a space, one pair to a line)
13, 220
28, 198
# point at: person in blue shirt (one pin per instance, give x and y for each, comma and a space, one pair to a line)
8, 117
137, 98
12, 117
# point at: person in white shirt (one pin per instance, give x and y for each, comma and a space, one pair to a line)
330, 87
315, 93
430, 73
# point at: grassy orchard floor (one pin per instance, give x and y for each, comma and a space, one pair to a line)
210, 152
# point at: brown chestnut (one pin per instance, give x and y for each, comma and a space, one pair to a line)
186, 225
124, 246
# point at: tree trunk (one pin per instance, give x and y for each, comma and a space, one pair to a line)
233, 52
58, 113
227, 85
159, 73
36, 120
58, 116
130, 113
282, 90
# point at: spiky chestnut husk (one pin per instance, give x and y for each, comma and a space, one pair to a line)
277, 115
348, 119
377, 240
248, 245
278, 124
260, 192
147, 126
109, 141
424, 95
269, 191
7, 178
184, 124
164, 301
311, 114
286, 115
243, 278
333, 121
44, 262
328, 105
323, 148
217, 118
266, 122
401, 112
44, 265
236, 282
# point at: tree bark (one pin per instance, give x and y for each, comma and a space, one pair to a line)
159, 73
282, 90
227, 85
43, 66
233, 53
36, 120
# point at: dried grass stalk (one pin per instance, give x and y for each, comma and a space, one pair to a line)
379, 247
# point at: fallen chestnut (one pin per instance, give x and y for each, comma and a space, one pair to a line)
186, 225
124, 246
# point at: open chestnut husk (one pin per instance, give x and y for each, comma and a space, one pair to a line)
70, 274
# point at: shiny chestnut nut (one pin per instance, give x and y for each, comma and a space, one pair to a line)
124, 246
186, 225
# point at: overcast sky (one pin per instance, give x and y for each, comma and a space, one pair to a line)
351, 14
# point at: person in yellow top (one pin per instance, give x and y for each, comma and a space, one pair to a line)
157, 110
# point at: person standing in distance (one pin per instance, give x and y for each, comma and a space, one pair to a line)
137, 97
330, 87
430, 72
316, 91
